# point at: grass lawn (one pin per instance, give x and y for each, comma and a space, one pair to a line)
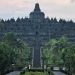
36, 73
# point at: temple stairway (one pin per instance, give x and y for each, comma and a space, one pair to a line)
36, 58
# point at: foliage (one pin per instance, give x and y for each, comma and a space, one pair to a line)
53, 50
68, 57
13, 51
6, 54
1, 25
21, 49
60, 52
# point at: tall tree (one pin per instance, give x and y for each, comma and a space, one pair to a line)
14, 51
6, 57
53, 50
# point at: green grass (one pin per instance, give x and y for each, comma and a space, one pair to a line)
36, 73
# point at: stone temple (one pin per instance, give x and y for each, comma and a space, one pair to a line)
37, 30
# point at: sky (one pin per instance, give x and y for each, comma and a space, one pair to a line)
52, 8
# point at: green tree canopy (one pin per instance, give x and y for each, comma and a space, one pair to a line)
13, 51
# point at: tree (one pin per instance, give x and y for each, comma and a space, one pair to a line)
53, 50
48, 51
68, 57
22, 51
10, 39
13, 51
1, 25
6, 57
61, 52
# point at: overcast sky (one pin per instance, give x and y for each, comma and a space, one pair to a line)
52, 8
